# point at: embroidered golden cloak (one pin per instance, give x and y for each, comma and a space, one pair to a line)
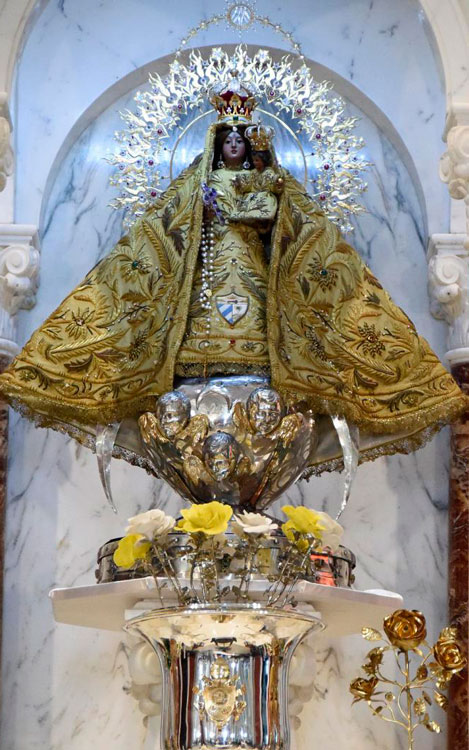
335, 339
235, 340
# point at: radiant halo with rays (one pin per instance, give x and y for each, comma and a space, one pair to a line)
319, 126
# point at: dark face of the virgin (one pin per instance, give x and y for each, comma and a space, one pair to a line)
234, 149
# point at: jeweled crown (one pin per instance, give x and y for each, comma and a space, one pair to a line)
260, 136
234, 104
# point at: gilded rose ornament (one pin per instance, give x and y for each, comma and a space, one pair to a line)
447, 652
405, 630
405, 701
363, 689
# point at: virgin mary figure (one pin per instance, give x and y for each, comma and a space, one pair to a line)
234, 270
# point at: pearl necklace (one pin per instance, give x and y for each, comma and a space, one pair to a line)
207, 244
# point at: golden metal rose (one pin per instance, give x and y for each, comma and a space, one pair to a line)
449, 655
375, 659
362, 689
405, 629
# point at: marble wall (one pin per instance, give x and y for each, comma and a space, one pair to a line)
65, 687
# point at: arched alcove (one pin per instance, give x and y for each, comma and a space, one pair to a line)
119, 97
64, 116
361, 44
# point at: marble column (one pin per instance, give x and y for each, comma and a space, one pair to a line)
6, 152
454, 164
458, 583
449, 290
3, 488
19, 265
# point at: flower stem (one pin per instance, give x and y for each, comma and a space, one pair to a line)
168, 569
215, 571
410, 728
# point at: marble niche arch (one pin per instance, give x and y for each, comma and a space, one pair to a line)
449, 23
92, 115
139, 78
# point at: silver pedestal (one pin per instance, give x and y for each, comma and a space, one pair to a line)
225, 673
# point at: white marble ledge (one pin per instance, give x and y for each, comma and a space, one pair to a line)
344, 611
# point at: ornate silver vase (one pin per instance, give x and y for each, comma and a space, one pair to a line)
229, 439
225, 673
225, 663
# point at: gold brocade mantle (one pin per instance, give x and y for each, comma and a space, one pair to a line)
335, 339
240, 275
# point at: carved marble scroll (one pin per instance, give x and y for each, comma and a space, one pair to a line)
19, 269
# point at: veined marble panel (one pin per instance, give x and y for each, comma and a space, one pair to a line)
65, 686
78, 48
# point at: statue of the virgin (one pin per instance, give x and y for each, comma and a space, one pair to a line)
234, 270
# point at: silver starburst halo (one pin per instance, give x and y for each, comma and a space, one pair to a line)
331, 148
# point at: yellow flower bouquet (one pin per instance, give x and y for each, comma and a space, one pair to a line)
226, 550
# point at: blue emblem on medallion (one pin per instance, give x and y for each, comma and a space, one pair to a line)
232, 307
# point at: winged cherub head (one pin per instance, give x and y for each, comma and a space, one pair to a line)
265, 410
173, 412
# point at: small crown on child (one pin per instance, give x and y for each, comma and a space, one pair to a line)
260, 136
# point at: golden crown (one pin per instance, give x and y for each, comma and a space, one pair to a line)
260, 136
234, 104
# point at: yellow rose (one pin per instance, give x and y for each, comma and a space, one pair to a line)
301, 519
405, 629
208, 518
130, 549
362, 689
449, 655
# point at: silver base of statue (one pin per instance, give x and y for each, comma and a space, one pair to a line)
230, 439
225, 673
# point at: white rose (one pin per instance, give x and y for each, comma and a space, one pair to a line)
151, 524
253, 523
331, 534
